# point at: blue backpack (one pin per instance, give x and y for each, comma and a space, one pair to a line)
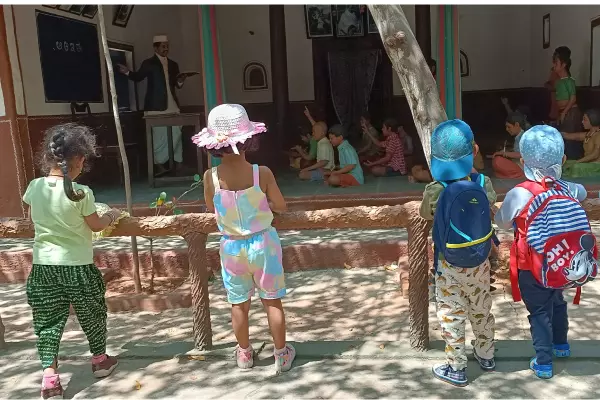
462, 225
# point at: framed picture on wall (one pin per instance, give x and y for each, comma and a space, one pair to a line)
349, 20
319, 21
464, 64
76, 9
122, 15
371, 25
546, 31
89, 11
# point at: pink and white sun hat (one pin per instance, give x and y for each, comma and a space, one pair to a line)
228, 125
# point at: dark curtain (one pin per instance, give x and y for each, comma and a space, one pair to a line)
351, 76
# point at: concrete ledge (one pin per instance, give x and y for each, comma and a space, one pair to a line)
173, 263
506, 350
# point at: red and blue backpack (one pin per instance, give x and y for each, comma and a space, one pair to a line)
553, 239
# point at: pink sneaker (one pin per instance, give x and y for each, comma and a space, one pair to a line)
245, 358
104, 365
284, 360
51, 387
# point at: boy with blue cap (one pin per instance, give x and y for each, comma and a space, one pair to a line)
462, 269
542, 156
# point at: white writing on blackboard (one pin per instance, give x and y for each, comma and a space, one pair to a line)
68, 47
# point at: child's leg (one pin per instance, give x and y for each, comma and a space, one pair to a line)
239, 321
540, 304
86, 293
50, 308
267, 269
276, 318
452, 306
334, 180
560, 320
420, 174
379, 171
238, 283
482, 320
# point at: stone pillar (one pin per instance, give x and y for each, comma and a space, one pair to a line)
16, 161
212, 71
279, 72
448, 62
423, 28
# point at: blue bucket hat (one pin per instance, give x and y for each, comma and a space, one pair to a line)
542, 149
451, 151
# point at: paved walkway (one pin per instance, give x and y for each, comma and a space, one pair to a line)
350, 328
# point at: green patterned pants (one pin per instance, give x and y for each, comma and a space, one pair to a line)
51, 289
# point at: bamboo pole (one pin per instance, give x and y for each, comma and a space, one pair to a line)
113, 94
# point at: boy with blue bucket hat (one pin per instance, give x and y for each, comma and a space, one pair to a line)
458, 201
547, 218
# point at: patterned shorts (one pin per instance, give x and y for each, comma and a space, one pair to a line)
250, 263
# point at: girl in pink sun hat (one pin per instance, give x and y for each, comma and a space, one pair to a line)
243, 197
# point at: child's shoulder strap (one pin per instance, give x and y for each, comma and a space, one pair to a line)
255, 175
215, 179
532, 187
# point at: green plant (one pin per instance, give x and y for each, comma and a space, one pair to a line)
163, 207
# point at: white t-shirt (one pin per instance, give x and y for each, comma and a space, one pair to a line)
325, 152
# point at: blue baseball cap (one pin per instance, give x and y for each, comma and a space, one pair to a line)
451, 151
542, 149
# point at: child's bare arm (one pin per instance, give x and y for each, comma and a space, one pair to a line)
276, 200
317, 165
209, 191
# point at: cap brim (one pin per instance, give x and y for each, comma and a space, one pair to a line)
451, 170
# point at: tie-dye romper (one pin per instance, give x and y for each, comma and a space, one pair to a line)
250, 248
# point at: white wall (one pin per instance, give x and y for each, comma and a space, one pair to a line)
497, 41
570, 25
14, 60
239, 47
299, 55
146, 21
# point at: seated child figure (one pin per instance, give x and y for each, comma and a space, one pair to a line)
393, 162
461, 291
506, 163
542, 156
368, 149
350, 172
299, 157
325, 155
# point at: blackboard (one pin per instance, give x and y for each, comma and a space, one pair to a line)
70, 58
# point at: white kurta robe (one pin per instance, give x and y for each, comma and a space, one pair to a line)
159, 133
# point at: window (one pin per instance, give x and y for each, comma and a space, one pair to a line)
255, 77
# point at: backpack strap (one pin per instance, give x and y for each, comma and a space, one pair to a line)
577, 296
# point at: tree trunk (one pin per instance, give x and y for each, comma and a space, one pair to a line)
2, 342
412, 69
418, 290
113, 94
